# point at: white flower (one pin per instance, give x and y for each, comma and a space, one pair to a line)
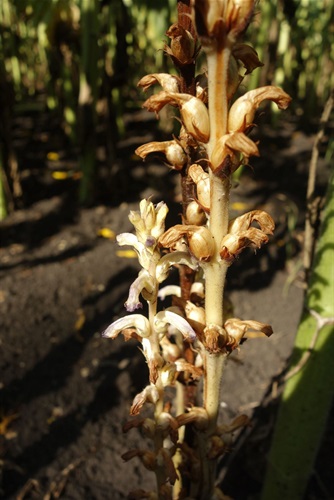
137, 321
163, 318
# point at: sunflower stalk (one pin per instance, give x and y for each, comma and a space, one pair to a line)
192, 339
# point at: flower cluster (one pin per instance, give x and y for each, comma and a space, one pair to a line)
193, 337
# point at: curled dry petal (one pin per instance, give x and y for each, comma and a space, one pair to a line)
228, 145
150, 394
197, 416
173, 259
200, 240
233, 244
242, 235
238, 328
173, 151
144, 284
168, 82
239, 422
248, 56
137, 321
164, 458
147, 457
242, 112
183, 366
243, 222
167, 317
157, 101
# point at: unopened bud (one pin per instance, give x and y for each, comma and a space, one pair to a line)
201, 243
195, 214
202, 181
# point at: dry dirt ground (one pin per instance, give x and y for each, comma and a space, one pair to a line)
65, 391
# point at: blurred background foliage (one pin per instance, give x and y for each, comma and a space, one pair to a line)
78, 61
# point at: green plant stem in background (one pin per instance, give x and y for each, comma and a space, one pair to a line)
88, 97
309, 391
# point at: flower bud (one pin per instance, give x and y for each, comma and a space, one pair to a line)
201, 243
195, 315
195, 214
169, 83
202, 181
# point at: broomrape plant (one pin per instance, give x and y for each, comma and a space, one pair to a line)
192, 339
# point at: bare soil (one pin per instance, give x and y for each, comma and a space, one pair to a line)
65, 391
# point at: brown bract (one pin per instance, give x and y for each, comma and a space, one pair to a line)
182, 48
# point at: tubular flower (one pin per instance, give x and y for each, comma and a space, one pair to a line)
243, 110
136, 321
145, 285
164, 318
172, 259
173, 151
168, 82
241, 235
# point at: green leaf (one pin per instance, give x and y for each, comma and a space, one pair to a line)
308, 394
